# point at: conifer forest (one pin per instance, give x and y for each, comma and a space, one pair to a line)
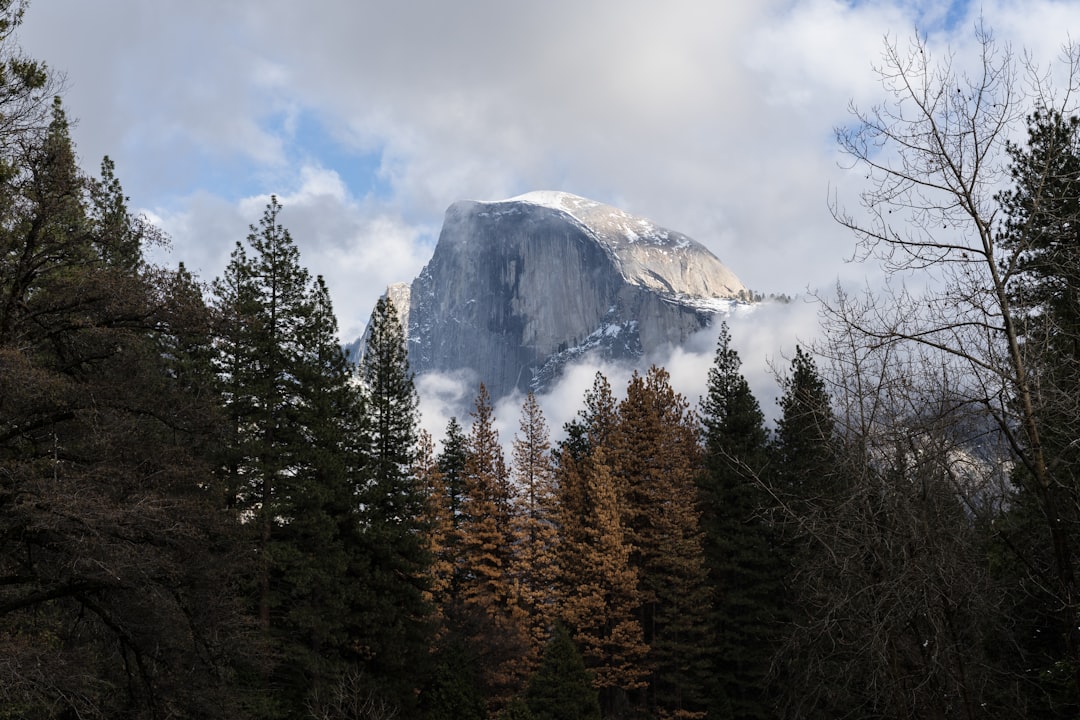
209, 510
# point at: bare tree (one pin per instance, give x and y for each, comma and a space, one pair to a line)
934, 156
894, 606
350, 698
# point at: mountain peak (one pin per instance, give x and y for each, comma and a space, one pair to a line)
518, 288
646, 254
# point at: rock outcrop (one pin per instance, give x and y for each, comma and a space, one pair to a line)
517, 289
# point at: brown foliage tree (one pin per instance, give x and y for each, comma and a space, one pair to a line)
487, 598
656, 453
598, 587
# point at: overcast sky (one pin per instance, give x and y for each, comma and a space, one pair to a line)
367, 119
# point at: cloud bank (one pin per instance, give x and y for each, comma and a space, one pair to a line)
367, 119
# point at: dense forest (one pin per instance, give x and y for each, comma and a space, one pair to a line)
208, 511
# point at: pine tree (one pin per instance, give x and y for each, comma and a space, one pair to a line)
486, 512
1042, 269
398, 618
655, 451
487, 593
312, 550
743, 569
534, 529
291, 457
804, 443
450, 465
810, 486
392, 400
561, 687
264, 303
598, 588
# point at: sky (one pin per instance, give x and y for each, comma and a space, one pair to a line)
368, 119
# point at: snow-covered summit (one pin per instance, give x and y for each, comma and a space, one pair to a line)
613, 224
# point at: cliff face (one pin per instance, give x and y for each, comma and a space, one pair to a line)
518, 288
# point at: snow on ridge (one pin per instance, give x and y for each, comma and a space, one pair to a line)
610, 223
556, 199
646, 254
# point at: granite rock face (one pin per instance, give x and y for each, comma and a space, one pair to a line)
517, 289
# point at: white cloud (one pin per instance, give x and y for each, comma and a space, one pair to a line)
357, 245
714, 119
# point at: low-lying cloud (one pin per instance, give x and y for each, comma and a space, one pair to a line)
765, 336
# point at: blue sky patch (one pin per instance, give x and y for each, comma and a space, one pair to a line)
310, 141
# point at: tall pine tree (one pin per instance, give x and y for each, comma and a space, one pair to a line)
290, 450
809, 485
656, 453
599, 598
1042, 266
534, 524
398, 619
486, 595
450, 465
743, 569
804, 442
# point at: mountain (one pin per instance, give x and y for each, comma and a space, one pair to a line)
518, 288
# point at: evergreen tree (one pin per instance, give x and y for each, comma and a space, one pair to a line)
534, 530
1042, 268
487, 593
397, 619
264, 303
598, 587
655, 451
451, 462
810, 486
743, 570
455, 689
804, 441
486, 513
392, 400
291, 457
561, 687
451, 467
313, 550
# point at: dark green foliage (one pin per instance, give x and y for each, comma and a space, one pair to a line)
808, 486
804, 443
395, 620
450, 466
518, 709
454, 690
740, 550
292, 456
1029, 649
1042, 271
561, 688
451, 463
392, 402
